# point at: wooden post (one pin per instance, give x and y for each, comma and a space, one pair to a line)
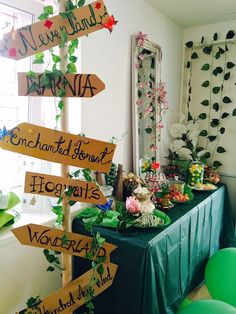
66, 258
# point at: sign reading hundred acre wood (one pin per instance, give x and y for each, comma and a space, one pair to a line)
52, 239
75, 85
54, 186
65, 148
76, 293
40, 36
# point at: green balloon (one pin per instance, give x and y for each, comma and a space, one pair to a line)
220, 276
208, 307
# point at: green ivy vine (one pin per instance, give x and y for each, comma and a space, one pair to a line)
218, 71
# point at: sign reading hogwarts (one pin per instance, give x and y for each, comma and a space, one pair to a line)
52, 145
40, 36
75, 85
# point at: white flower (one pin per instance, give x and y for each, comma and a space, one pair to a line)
192, 126
176, 145
202, 153
184, 154
177, 130
193, 137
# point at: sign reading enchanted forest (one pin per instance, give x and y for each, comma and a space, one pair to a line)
44, 35
52, 239
52, 145
82, 191
75, 85
76, 293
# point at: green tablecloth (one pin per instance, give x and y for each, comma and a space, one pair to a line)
158, 267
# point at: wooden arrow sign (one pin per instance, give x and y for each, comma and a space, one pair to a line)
54, 186
40, 36
52, 239
75, 85
76, 293
52, 145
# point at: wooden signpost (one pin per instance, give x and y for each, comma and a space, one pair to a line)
54, 186
47, 144
52, 239
76, 293
75, 85
44, 35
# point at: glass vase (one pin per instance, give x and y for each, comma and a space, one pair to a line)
196, 173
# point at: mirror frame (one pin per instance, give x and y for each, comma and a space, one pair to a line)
153, 47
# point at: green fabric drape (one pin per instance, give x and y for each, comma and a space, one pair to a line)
158, 267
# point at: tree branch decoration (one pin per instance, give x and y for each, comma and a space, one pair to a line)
217, 106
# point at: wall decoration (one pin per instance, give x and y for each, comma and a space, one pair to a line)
47, 144
49, 33
54, 186
52, 239
75, 85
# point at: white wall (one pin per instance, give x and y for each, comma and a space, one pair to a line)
229, 165
109, 56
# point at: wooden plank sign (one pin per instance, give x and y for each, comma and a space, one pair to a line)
76, 293
75, 85
65, 148
51, 239
54, 186
43, 35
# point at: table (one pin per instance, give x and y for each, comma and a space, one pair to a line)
158, 267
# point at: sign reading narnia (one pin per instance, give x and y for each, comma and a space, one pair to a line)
40, 36
52, 239
76, 293
65, 148
54, 186
75, 85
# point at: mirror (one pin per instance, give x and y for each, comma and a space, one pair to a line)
146, 70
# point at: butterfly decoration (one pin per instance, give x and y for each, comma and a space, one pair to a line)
107, 206
111, 22
3, 133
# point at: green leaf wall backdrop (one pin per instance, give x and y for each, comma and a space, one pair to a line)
209, 94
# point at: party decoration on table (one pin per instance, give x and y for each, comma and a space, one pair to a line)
72, 85
130, 183
54, 186
143, 195
52, 239
196, 173
43, 35
204, 187
47, 144
220, 276
207, 307
7, 202
75, 293
144, 166
211, 175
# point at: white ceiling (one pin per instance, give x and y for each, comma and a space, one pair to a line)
189, 13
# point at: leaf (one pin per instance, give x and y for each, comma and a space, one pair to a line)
43, 16
215, 36
48, 9
100, 240
189, 44
199, 149
45, 81
205, 84
215, 123
205, 102
205, 67
71, 68
207, 155
194, 55
73, 59
148, 130
31, 74
230, 34
80, 3
217, 164
190, 118
217, 55
55, 58
61, 105
61, 93
212, 138
227, 100
202, 116
202, 39
222, 130
217, 70
220, 150
221, 51
100, 269
203, 133
230, 65
225, 115
207, 50
188, 64
234, 112
50, 268
216, 90
216, 106
227, 76
190, 90
64, 38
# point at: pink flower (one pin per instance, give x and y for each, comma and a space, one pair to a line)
137, 66
141, 38
153, 148
141, 56
133, 205
139, 102
160, 125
